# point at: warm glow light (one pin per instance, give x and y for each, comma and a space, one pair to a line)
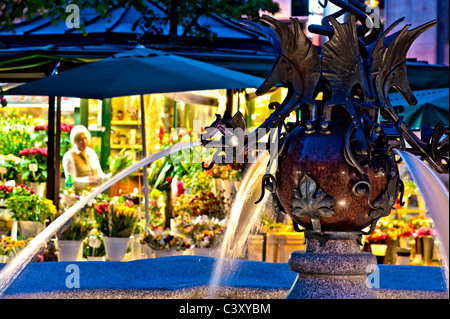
372, 3
319, 96
223, 99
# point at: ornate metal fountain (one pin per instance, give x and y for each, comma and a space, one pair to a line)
337, 171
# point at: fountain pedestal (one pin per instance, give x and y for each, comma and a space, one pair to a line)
336, 270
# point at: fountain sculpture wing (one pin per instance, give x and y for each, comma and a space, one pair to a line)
391, 62
342, 65
388, 70
297, 64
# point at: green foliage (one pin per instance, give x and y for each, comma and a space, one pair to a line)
31, 207
78, 229
164, 170
11, 164
120, 161
34, 156
16, 134
115, 219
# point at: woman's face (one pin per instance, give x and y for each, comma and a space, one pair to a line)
81, 141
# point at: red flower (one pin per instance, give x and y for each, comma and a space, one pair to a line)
34, 151
41, 128
169, 179
66, 127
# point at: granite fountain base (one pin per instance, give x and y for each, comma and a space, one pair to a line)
336, 269
187, 277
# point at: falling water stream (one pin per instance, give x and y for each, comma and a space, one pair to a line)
244, 215
13, 268
436, 199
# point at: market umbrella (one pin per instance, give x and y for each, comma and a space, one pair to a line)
432, 106
137, 72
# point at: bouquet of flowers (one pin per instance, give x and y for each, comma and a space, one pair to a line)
116, 219
165, 240
394, 228
233, 171
421, 226
9, 165
201, 231
16, 134
156, 213
377, 237
33, 166
270, 226
10, 247
78, 229
31, 207
20, 189
94, 245
197, 180
203, 203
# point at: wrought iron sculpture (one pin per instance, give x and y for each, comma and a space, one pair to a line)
337, 172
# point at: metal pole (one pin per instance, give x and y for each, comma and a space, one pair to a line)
51, 149
57, 152
145, 189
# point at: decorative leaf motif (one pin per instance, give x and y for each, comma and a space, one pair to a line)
308, 201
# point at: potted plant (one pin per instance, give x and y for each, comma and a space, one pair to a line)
9, 247
203, 233
165, 243
94, 247
16, 133
9, 167
116, 220
33, 167
70, 240
202, 203
32, 211
7, 190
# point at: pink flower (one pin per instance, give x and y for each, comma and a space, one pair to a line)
66, 127
180, 188
425, 231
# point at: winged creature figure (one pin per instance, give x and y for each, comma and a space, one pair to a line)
344, 139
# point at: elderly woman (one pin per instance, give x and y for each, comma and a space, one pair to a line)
81, 161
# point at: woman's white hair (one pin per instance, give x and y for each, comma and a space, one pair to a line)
77, 130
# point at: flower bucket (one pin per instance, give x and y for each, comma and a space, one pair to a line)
30, 228
404, 241
3, 259
5, 214
166, 253
138, 250
69, 250
116, 247
403, 256
39, 188
378, 249
96, 258
206, 252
